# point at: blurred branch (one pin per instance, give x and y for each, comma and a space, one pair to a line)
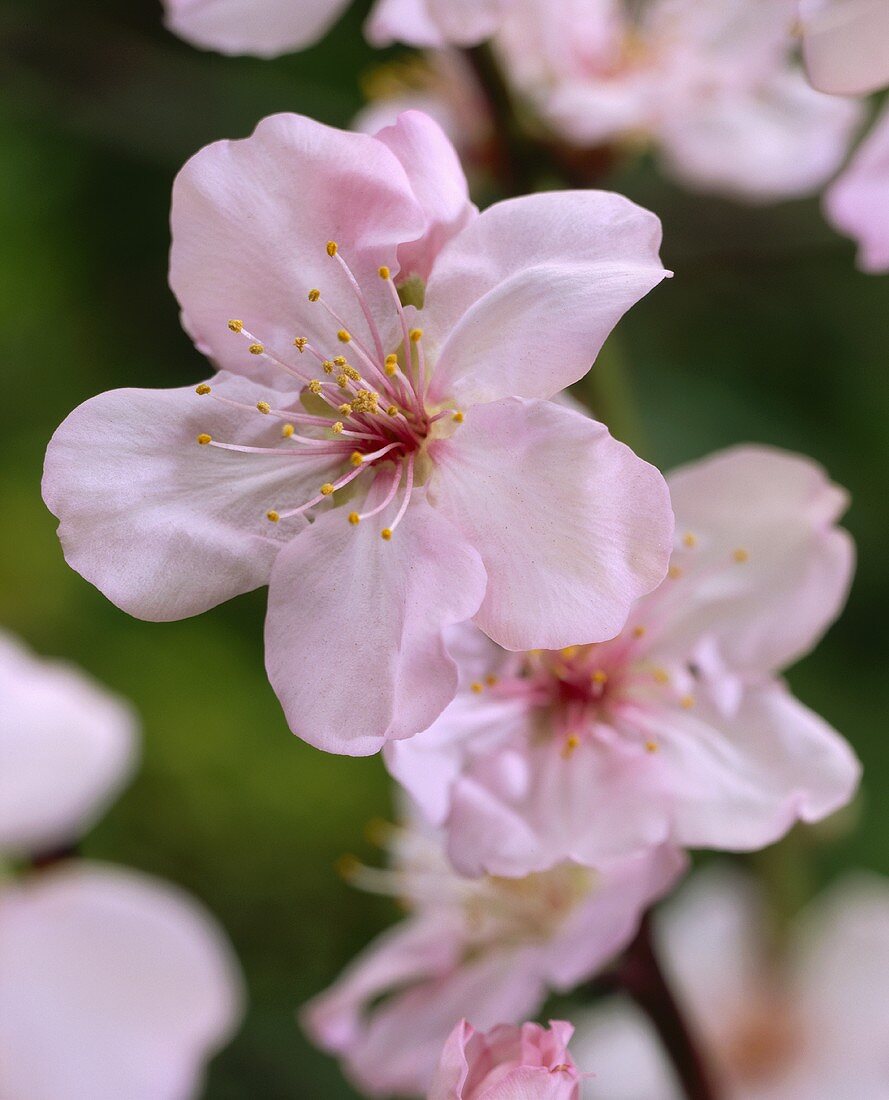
639, 975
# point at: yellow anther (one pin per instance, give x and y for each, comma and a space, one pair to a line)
740, 556
689, 539
569, 651
674, 572
204, 439
272, 517
572, 743
416, 335
638, 631
356, 458
350, 372
236, 326
264, 407
661, 676
476, 687
651, 746
491, 680
288, 430
687, 702
347, 866
386, 534
256, 349
392, 410
342, 380
354, 519
345, 409
384, 272
379, 832
343, 336
458, 418
337, 427
315, 386
365, 401
202, 389
327, 366
339, 360
327, 489
300, 342
600, 676
332, 248
391, 365
314, 295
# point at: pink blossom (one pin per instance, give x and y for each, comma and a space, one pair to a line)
812, 1024
678, 729
340, 415
711, 84
858, 203
267, 28
529, 1062
112, 984
67, 746
846, 44
488, 948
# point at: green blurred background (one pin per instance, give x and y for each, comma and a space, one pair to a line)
767, 333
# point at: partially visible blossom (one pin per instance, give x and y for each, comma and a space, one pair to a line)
529, 1062
811, 1024
267, 28
440, 83
858, 203
112, 984
846, 44
712, 84
489, 948
67, 746
377, 446
679, 729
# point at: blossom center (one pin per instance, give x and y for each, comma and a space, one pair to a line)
361, 411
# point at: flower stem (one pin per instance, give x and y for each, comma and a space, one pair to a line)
639, 974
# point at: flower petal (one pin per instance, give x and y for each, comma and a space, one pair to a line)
778, 512
846, 44
740, 781
858, 202
67, 746
164, 527
113, 985
776, 140
571, 525
354, 645
251, 220
453, 1068
240, 27
437, 179
433, 23
523, 299
429, 764
529, 805
842, 968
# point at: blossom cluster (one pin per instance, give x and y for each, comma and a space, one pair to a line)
571, 664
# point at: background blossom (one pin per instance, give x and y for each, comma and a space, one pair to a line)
810, 1024
112, 983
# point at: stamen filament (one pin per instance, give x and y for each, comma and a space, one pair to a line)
409, 484
365, 306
